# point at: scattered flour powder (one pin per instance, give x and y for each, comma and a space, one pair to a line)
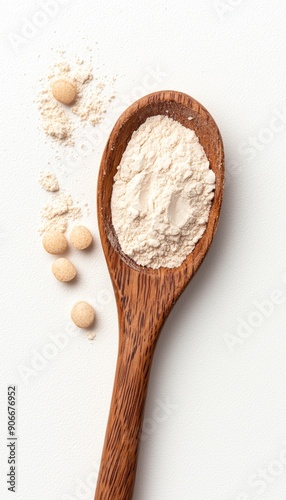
56, 213
49, 182
94, 92
61, 208
162, 193
93, 97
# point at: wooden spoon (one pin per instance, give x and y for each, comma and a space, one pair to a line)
144, 296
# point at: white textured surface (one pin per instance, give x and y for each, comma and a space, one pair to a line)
227, 421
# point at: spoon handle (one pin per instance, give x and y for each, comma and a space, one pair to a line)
119, 456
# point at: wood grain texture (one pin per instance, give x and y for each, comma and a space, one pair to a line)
144, 296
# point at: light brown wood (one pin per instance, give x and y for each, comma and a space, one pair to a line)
144, 296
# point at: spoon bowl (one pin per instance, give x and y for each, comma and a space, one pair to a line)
144, 296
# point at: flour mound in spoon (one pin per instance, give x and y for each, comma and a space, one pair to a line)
162, 193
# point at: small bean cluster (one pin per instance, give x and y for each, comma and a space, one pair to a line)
56, 243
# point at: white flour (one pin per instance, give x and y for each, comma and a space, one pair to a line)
162, 193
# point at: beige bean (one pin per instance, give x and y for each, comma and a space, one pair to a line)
55, 242
82, 314
64, 91
63, 269
80, 237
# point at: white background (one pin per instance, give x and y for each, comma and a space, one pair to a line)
215, 427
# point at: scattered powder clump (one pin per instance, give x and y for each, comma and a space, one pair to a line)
49, 182
57, 212
93, 108
55, 119
162, 193
91, 103
91, 335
